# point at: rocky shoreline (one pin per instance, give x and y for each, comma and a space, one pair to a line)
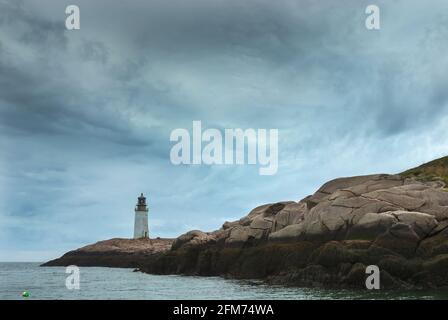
397, 222
328, 239
118, 253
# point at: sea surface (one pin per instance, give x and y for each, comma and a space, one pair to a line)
45, 283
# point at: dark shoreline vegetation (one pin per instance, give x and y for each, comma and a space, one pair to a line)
397, 222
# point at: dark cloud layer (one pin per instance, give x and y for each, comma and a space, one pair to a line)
85, 116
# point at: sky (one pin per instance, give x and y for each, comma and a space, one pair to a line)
86, 115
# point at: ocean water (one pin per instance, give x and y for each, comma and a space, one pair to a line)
114, 283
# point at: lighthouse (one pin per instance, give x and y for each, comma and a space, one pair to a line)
141, 219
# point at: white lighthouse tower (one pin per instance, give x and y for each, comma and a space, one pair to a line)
141, 219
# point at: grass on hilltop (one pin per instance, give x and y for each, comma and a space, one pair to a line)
436, 170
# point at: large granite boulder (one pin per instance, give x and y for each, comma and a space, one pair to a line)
392, 221
364, 207
193, 238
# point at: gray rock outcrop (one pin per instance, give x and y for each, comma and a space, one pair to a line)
328, 238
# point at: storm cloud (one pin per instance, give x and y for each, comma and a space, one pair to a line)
86, 115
